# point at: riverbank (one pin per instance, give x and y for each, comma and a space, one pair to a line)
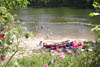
31, 46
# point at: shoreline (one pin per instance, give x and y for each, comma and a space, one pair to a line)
31, 46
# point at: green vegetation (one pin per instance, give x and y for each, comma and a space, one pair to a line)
84, 59
9, 4
56, 3
10, 33
96, 58
96, 13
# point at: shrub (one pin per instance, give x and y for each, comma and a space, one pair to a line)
10, 31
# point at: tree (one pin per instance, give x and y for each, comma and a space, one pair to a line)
53, 3
13, 4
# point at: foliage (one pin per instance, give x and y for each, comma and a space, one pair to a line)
13, 4
55, 3
39, 60
97, 9
97, 29
10, 31
96, 6
28, 34
9, 34
96, 57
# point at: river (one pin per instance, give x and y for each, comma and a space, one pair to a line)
59, 23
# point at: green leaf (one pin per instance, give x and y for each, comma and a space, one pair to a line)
91, 14
88, 45
3, 51
93, 29
84, 54
97, 29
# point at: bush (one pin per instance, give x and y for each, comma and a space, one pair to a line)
10, 31
39, 60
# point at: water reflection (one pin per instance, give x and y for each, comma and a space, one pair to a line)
46, 23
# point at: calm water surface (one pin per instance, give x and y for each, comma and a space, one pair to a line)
59, 23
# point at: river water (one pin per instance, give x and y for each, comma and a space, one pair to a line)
59, 23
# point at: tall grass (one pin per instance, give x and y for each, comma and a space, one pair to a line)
71, 60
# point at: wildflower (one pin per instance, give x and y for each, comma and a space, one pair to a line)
75, 44
0, 48
5, 31
61, 56
52, 52
46, 65
59, 50
82, 44
95, 42
1, 36
4, 58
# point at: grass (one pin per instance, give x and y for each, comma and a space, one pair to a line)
71, 60
84, 59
